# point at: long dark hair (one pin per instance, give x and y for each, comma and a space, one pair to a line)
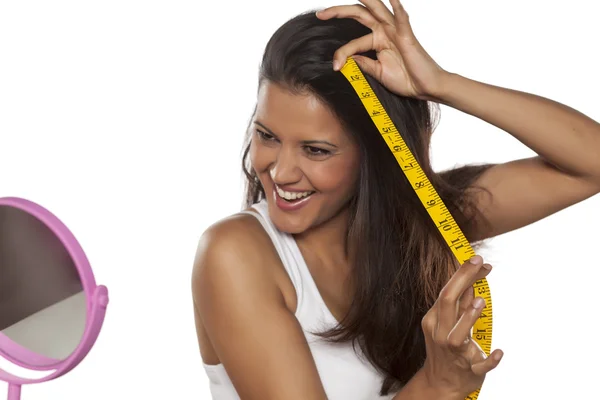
401, 260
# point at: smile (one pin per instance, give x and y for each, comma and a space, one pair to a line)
291, 201
292, 196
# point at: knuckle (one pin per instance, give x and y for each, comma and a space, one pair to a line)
403, 15
446, 298
358, 10
427, 322
444, 292
455, 342
440, 341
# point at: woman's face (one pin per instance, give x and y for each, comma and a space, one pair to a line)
300, 151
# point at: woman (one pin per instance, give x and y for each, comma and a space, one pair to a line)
334, 282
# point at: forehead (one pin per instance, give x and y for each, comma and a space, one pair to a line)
287, 113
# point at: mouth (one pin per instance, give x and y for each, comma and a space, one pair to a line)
292, 197
291, 201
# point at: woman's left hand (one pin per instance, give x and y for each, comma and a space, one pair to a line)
402, 65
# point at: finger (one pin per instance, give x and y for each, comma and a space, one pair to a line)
401, 20
449, 307
379, 10
356, 11
368, 65
473, 353
460, 335
485, 366
465, 277
359, 45
428, 324
464, 303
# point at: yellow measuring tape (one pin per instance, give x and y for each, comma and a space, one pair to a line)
482, 329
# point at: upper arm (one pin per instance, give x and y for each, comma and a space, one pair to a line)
525, 191
257, 338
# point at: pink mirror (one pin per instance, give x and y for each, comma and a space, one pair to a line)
51, 309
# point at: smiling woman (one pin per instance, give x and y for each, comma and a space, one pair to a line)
311, 135
333, 282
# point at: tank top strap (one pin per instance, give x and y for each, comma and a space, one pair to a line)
312, 311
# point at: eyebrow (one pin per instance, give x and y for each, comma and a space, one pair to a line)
304, 141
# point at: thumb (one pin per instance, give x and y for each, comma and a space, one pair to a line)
367, 65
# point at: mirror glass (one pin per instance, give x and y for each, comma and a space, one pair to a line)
42, 301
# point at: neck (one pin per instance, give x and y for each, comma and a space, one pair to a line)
328, 241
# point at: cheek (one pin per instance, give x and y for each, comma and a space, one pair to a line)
256, 157
338, 177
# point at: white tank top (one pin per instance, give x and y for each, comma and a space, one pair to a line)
344, 374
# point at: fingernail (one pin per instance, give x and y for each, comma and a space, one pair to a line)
479, 302
336, 64
477, 259
487, 266
498, 356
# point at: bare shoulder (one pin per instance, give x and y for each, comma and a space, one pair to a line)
231, 236
242, 318
235, 248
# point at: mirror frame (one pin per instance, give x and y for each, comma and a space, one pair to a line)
96, 304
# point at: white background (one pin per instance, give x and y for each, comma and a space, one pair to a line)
126, 118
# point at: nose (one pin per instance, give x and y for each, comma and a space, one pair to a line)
285, 169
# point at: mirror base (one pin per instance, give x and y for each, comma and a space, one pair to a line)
14, 391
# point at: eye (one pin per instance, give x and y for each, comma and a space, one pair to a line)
264, 136
317, 151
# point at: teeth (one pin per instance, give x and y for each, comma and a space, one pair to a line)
292, 195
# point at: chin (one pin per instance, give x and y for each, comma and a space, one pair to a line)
292, 224
292, 230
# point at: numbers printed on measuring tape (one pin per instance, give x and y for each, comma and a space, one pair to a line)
447, 226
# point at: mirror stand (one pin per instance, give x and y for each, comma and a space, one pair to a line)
14, 391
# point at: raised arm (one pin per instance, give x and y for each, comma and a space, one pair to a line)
238, 302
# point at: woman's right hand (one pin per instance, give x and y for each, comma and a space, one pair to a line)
455, 363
